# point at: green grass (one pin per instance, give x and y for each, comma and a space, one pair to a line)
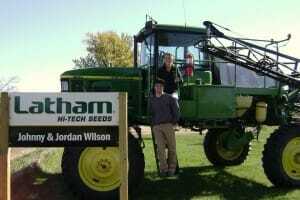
198, 180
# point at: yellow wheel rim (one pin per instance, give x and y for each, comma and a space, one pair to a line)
225, 153
99, 168
291, 158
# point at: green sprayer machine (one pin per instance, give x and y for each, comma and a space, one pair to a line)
236, 85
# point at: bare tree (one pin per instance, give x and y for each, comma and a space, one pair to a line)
9, 84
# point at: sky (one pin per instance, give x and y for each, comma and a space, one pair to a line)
40, 38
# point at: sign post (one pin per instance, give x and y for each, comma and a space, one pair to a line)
61, 120
123, 145
4, 150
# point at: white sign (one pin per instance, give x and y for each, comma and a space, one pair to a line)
64, 109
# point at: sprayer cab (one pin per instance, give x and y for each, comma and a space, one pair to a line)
156, 40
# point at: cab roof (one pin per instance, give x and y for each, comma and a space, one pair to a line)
151, 27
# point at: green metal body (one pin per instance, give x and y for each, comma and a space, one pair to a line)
201, 102
203, 105
206, 103
110, 80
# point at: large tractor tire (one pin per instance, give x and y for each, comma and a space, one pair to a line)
218, 155
281, 157
94, 172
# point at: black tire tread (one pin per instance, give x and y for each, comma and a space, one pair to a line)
81, 191
272, 156
212, 154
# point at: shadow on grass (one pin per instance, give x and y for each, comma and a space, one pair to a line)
206, 182
32, 183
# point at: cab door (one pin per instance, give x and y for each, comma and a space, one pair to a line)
145, 62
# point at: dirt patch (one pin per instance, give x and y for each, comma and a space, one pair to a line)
32, 183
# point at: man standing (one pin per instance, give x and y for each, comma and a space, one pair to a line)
164, 114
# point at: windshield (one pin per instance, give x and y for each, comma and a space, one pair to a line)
179, 45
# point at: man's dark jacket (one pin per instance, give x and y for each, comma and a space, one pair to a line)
170, 85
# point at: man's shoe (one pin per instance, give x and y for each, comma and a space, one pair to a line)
163, 174
171, 174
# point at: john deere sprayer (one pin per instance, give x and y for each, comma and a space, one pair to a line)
233, 87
